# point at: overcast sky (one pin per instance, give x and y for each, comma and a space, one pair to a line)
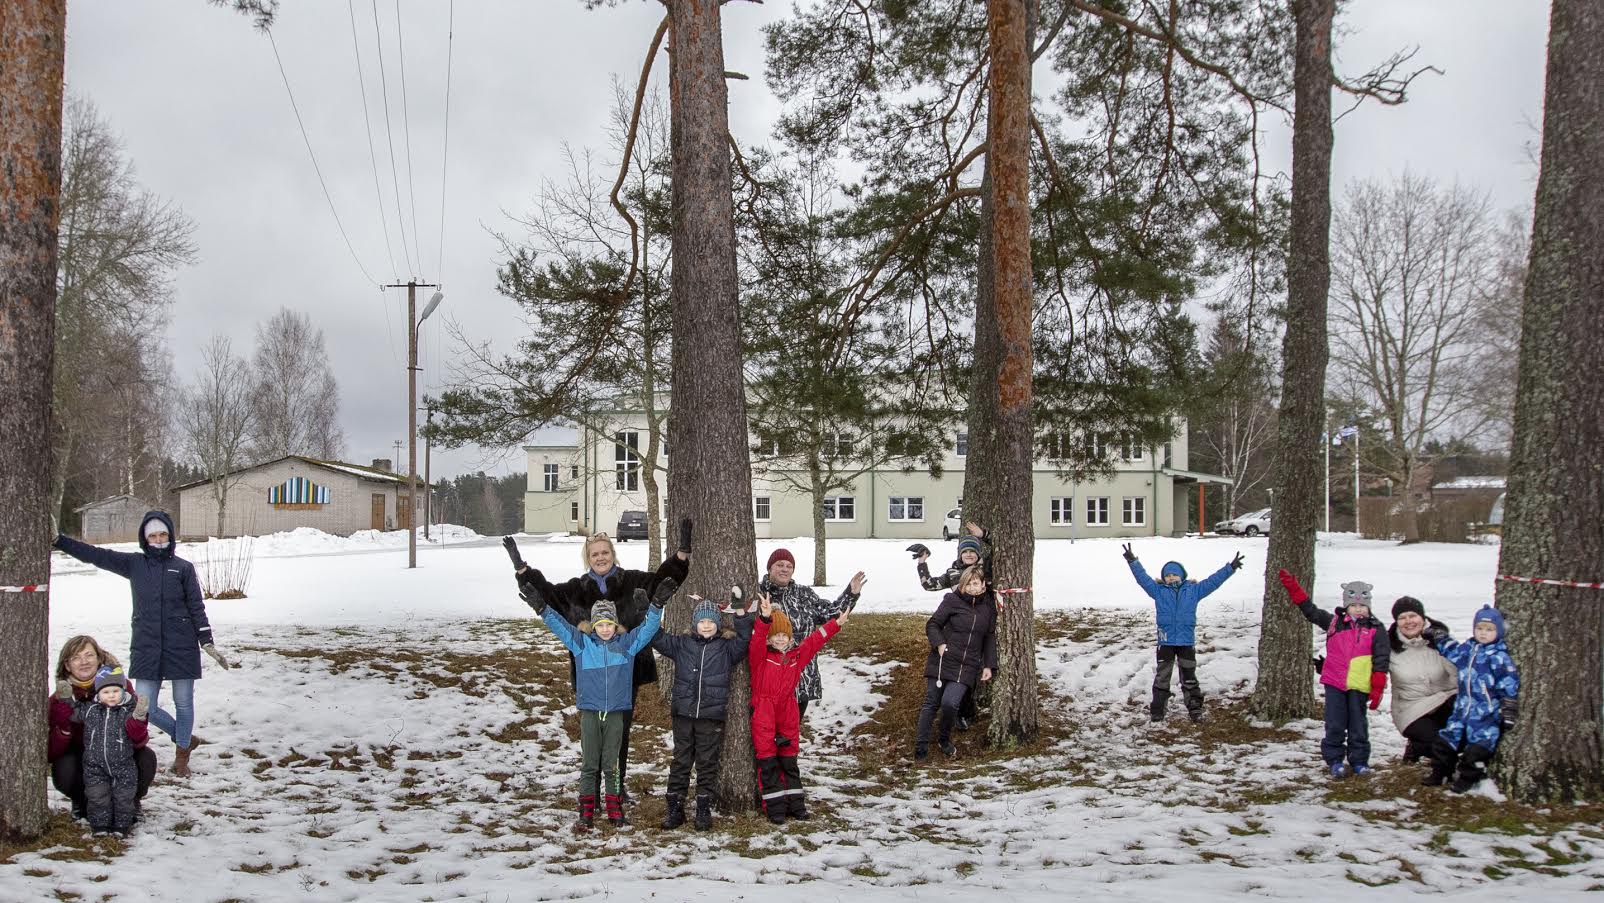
195, 94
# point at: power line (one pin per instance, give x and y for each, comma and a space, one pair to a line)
315, 167
389, 137
367, 123
406, 126
445, 146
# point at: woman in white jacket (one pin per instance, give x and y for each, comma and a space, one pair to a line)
1424, 683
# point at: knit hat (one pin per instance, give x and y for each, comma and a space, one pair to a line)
603, 611
780, 555
969, 543
1490, 615
781, 625
108, 676
154, 525
1407, 603
1172, 567
705, 610
1356, 593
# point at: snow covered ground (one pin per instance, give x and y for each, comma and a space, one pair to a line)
396, 735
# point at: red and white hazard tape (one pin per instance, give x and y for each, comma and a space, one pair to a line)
1018, 589
1574, 584
30, 588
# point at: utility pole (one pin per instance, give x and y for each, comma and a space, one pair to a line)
413, 321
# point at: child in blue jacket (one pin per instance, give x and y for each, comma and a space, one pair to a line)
1176, 600
1488, 687
604, 667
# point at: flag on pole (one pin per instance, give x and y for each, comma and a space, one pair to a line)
1345, 432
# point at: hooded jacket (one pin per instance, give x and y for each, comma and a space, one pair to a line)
1176, 606
573, 599
1422, 679
169, 616
967, 625
603, 668
67, 734
1355, 648
703, 668
1487, 676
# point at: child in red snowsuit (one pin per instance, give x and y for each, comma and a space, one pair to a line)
776, 721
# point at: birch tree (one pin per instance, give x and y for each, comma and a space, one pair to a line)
215, 418
295, 400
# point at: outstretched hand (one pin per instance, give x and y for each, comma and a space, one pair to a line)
974, 529
1129, 555
665, 590
858, 580
841, 619
531, 595
1236, 563
1295, 593
640, 598
765, 605
511, 545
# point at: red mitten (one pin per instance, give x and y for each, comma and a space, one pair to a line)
1378, 685
1295, 592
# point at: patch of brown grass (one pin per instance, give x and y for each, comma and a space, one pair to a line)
63, 840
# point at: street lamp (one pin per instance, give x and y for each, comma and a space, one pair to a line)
413, 322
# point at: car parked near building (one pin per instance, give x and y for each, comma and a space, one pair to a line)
1254, 523
953, 524
631, 525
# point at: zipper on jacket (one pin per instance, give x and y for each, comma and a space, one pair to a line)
700, 673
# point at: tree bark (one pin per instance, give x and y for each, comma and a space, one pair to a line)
1556, 488
1014, 704
32, 42
707, 419
1283, 691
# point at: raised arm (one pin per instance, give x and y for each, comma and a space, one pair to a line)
1213, 581
1148, 584
561, 628
120, 563
741, 648
816, 641
1299, 597
640, 636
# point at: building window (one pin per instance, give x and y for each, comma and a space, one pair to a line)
840, 445
626, 460
761, 507
963, 444
573, 512
548, 479
1134, 511
1097, 511
1057, 446
573, 471
1130, 449
1096, 446
840, 508
906, 508
1061, 513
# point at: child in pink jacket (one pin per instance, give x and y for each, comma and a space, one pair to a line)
1355, 669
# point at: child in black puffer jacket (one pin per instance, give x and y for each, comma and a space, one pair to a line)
963, 653
704, 663
111, 777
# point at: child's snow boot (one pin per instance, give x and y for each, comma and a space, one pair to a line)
1360, 771
704, 811
947, 749
1338, 771
1468, 777
921, 752
676, 812
587, 814
615, 811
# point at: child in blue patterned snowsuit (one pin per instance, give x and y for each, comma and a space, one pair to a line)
1176, 600
1488, 687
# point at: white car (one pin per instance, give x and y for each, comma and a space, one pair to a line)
1255, 523
952, 525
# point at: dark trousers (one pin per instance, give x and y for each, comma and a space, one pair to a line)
1168, 658
1422, 732
1347, 727
697, 742
948, 698
67, 773
802, 708
1471, 761
780, 786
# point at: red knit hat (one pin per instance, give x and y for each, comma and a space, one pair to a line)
780, 555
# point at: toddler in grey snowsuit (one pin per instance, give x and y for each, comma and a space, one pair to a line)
111, 777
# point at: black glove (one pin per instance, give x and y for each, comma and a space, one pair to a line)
511, 546
1129, 555
737, 598
640, 599
919, 549
1508, 711
1236, 563
665, 590
531, 595
685, 535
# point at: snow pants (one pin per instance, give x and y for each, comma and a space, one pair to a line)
67, 773
1347, 727
780, 786
697, 744
111, 789
600, 736
1169, 657
776, 726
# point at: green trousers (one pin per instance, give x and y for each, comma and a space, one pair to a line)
601, 735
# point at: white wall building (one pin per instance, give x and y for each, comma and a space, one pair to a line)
295, 491
585, 486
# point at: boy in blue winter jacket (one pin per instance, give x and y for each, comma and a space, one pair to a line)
1176, 600
604, 667
1488, 687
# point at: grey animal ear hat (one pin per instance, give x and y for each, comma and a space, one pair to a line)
1357, 592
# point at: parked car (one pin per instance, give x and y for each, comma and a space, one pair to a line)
953, 524
1252, 524
631, 525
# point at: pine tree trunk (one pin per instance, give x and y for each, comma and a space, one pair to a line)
32, 42
1283, 691
1556, 486
820, 528
707, 421
1014, 704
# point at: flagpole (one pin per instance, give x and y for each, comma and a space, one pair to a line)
1325, 439
1356, 479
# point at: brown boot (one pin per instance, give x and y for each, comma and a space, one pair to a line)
181, 762
195, 740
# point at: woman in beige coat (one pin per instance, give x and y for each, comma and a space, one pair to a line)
1423, 682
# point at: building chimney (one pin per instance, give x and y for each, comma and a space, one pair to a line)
383, 464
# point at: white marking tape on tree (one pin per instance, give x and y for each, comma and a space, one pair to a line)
1574, 584
1020, 589
30, 588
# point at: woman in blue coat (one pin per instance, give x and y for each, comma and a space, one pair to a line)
169, 629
